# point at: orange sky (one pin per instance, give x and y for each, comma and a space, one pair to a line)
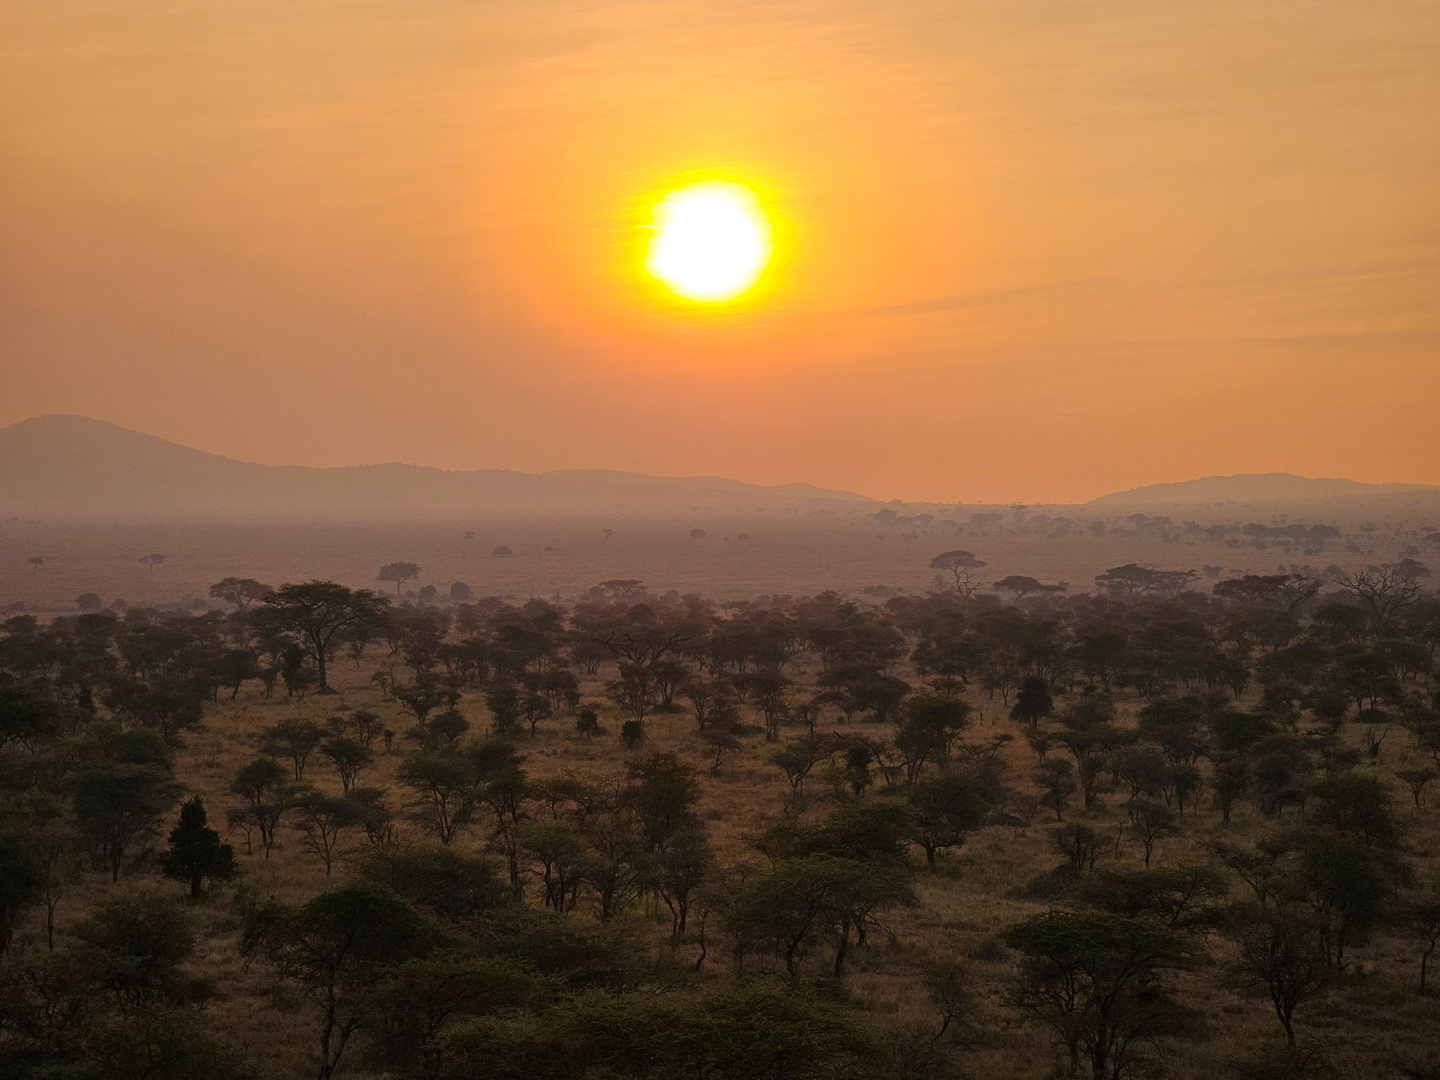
1032, 251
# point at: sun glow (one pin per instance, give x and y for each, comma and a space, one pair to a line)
710, 242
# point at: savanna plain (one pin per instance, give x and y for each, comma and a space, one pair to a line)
909, 792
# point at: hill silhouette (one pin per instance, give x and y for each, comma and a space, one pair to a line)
78, 467
74, 466
1252, 488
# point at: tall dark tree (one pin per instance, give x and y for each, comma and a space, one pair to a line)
22, 883
196, 852
1034, 702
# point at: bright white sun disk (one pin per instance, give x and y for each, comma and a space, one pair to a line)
711, 241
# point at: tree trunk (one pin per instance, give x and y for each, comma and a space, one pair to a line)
842, 948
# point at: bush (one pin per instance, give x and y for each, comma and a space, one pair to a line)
632, 733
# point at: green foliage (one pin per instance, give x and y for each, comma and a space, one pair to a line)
1095, 980
743, 1033
119, 805
946, 807
140, 939
438, 880
419, 1003
22, 883
338, 948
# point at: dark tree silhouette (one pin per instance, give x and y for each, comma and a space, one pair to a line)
22, 883
399, 573
241, 592
961, 565
196, 852
118, 805
337, 948
1096, 980
317, 612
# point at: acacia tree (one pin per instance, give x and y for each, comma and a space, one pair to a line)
633, 691
1033, 703
239, 591
1142, 579
1384, 592
799, 757
318, 613
961, 564
947, 807
349, 758
682, 870
444, 786
802, 901
323, 818
294, 739
1020, 584
1151, 822
263, 785
399, 573
1096, 981
766, 691
1280, 946
337, 948
118, 805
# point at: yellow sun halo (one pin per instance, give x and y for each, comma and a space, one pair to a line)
711, 241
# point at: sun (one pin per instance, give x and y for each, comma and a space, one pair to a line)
710, 242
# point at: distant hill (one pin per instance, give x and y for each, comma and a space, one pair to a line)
76, 467
1252, 488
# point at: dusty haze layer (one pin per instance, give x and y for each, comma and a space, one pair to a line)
85, 504
1033, 252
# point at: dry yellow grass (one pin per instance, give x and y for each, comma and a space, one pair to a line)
964, 903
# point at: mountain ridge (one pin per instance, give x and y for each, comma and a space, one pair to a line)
75, 466
1253, 487
80, 467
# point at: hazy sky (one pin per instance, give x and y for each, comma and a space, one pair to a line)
1028, 249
